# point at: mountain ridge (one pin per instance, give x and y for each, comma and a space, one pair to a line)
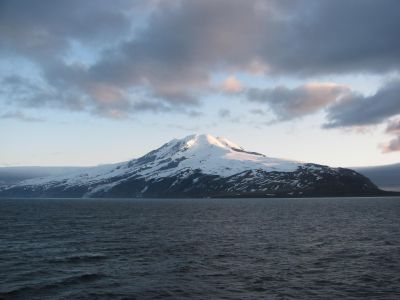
199, 165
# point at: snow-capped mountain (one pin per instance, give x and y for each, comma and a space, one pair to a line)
199, 166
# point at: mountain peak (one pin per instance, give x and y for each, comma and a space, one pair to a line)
208, 140
198, 165
207, 154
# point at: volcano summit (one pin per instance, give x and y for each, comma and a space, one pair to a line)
200, 166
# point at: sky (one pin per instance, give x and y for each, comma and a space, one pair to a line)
94, 82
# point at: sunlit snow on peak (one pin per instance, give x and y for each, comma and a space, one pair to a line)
207, 140
202, 153
211, 155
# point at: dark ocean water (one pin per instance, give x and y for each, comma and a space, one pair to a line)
346, 248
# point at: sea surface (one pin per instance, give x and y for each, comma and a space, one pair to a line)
321, 248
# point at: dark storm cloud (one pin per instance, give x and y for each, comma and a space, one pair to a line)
303, 100
184, 43
168, 59
359, 110
327, 37
187, 40
43, 29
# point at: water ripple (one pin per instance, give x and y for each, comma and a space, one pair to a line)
200, 249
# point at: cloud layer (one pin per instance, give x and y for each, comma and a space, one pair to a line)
393, 128
358, 110
116, 59
297, 102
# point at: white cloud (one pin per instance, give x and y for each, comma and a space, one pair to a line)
232, 85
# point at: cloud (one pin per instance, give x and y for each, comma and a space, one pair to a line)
231, 85
224, 113
257, 111
46, 33
17, 91
392, 146
184, 127
393, 128
290, 103
335, 37
17, 115
108, 58
345, 108
357, 110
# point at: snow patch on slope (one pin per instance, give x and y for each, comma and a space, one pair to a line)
214, 156
195, 153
